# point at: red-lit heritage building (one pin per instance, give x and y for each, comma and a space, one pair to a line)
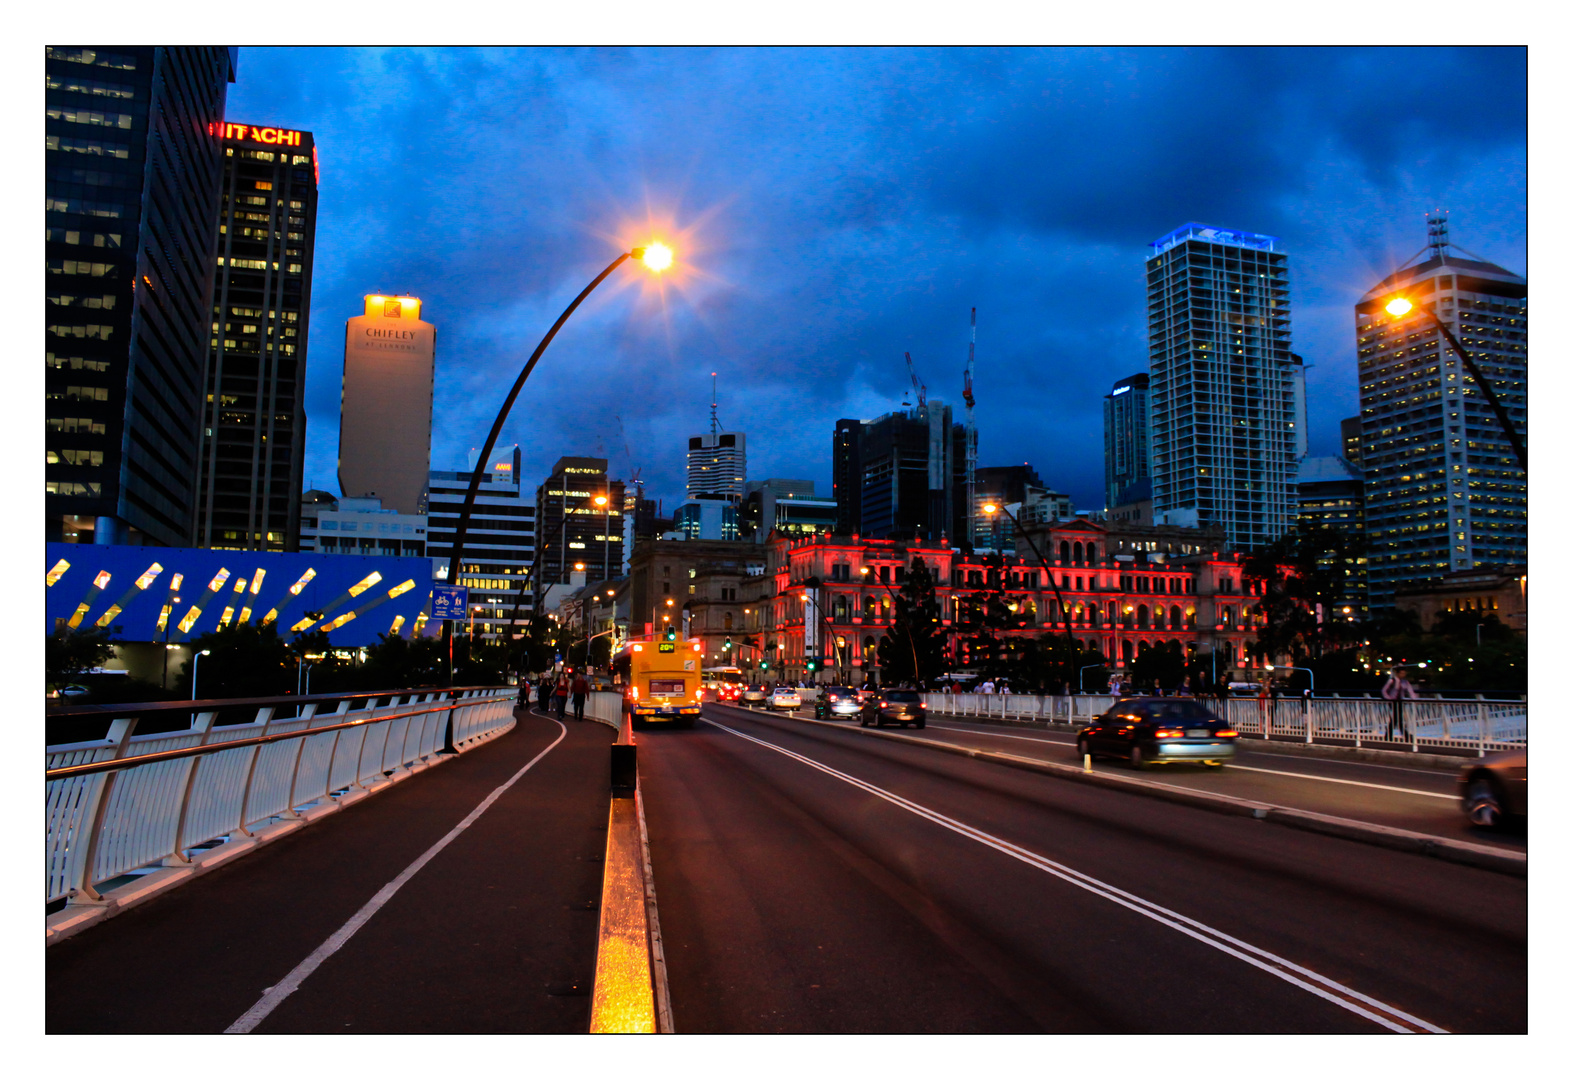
1126, 588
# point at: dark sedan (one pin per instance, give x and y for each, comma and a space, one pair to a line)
1495, 789
894, 707
1148, 731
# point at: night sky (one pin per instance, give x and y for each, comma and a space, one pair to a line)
833, 209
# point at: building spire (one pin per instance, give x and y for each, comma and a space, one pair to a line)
1436, 233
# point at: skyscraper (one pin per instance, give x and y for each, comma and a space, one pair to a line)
385, 411
903, 475
1222, 387
571, 527
133, 162
254, 434
717, 465
499, 542
1443, 488
1127, 451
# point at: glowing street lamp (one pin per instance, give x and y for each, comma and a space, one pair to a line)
1401, 306
991, 509
655, 257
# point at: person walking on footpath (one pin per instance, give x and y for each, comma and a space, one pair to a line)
544, 692
560, 695
581, 690
1396, 689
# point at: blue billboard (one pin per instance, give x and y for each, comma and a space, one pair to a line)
176, 594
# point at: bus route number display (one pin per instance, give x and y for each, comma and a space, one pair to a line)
666, 646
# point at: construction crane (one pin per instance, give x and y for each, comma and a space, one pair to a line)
917, 384
972, 429
634, 473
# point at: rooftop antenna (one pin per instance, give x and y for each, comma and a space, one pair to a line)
1436, 233
715, 424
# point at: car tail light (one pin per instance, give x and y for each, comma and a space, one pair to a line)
1227, 733
1169, 733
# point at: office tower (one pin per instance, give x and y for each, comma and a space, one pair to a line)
254, 434
499, 542
1330, 492
707, 519
1001, 485
133, 163
385, 410
1349, 435
571, 527
903, 475
1222, 383
717, 464
1443, 489
786, 507
1127, 452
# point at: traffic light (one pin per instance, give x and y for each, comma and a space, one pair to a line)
764, 665
671, 633
727, 647
813, 664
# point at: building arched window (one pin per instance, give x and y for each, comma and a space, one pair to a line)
1174, 617
1157, 617
1092, 553
1077, 550
1065, 551
727, 621
1141, 616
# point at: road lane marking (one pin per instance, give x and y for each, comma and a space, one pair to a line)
1242, 768
1336, 780
276, 994
1343, 996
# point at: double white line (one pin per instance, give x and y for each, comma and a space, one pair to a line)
1344, 997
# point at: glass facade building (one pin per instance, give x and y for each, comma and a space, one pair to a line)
499, 543
1443, 489
571, 528
133, 165
1127, 451
1223, 398
254, 435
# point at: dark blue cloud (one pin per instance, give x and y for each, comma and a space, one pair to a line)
846, 206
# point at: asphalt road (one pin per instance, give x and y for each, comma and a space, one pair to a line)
496, 933
813, 879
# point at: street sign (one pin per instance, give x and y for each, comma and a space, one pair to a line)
450, 602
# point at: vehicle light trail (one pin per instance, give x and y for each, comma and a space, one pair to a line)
1344, 997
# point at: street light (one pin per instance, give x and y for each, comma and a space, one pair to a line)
195, 660
911, 637
656, 257
1400, 306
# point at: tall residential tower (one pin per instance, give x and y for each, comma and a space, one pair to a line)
1223, 383
1127, 451
254, 433
1443, 489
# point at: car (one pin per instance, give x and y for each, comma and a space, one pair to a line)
1495, 789
728, 692
786, 697
1148, 731
836, 701
71, 691
754, 695
894, 706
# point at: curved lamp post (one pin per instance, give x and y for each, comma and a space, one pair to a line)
912, 640
656, 257
1065, 616
1400, 306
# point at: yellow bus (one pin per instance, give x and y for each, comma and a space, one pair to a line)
661, 681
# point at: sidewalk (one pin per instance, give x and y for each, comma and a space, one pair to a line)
496, 934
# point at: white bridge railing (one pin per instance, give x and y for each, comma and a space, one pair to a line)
128, 801
1478, 725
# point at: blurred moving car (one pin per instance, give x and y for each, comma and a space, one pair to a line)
1147, 731
70, 691
836, 701
786, 697
1495, 789
754, 695
728, 692
894, 706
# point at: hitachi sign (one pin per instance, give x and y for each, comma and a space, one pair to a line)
270, 135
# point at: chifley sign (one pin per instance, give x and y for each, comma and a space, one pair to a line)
270, 135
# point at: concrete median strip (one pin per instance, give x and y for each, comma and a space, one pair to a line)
1439, 847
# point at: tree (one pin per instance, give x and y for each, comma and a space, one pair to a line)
69, 653
1302, 570
915, 632
243, 661
984, 618
1159, 666
329, 672
396, 663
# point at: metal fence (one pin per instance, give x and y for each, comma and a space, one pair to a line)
1478, 724
128, 801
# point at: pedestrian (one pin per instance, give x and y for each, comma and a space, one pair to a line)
560, 696
544, 692
1396, 689
581, 690
1185, 686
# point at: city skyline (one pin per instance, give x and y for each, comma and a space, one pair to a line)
808, 238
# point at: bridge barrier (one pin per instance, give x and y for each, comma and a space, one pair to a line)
1480, 725
129, 804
